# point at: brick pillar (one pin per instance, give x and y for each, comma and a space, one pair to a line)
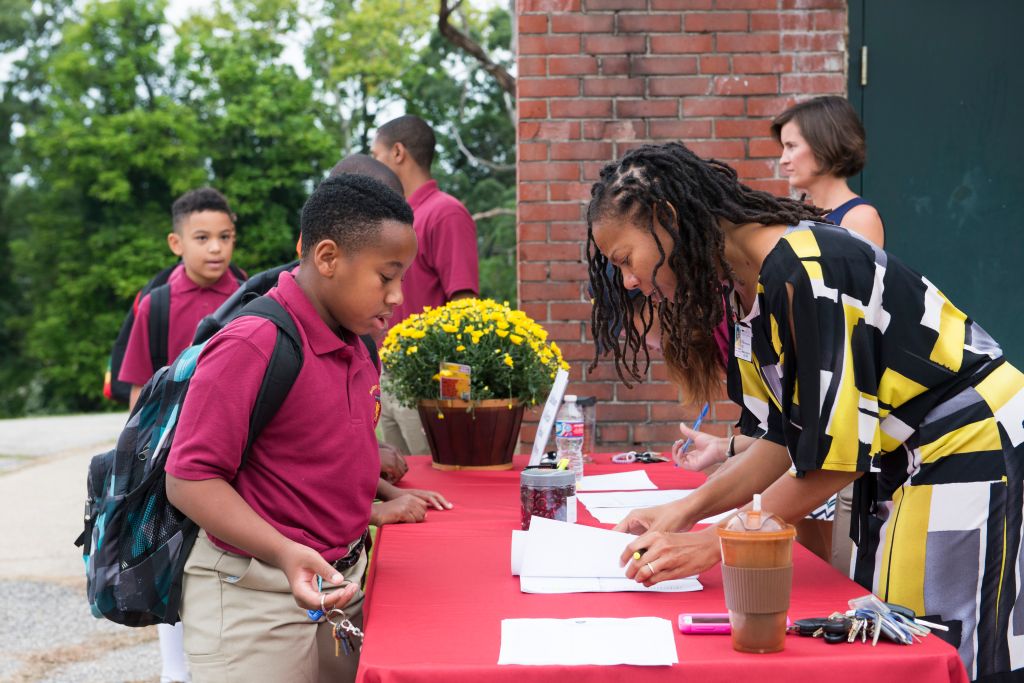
598, 77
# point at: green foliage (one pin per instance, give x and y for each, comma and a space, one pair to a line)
474, 108
109, 113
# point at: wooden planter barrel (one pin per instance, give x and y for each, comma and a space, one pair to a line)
478, 435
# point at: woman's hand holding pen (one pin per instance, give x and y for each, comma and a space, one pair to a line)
659, 556
706, 449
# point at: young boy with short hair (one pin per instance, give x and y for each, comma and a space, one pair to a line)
300, 506
203, 236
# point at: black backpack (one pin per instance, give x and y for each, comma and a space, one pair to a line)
135, 543
160, 312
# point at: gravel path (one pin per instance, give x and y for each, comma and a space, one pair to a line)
48, 633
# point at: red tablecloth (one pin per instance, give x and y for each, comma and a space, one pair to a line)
438, 591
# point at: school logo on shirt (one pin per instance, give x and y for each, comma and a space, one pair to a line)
375, 393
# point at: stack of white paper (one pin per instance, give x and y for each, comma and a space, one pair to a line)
643, 641
616, 515
619, 481
557, 557
612, 507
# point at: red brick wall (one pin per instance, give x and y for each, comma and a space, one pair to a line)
598, 77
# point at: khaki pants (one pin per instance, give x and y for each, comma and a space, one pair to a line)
242, 624
401, 426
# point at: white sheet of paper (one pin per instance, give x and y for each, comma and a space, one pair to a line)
518, 548
561, 549
713, 519
631, 499
619, 481
558, 557
616, 515
578, 584
641, 641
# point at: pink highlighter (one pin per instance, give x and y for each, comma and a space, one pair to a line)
707, 624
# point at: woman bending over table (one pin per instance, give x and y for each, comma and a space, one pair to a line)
870, 375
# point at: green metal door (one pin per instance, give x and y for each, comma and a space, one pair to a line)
943, 106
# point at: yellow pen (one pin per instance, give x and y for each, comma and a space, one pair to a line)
563, 464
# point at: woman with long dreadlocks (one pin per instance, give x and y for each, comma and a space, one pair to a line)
823, 144
870, 375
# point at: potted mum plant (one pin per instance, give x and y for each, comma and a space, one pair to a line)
470, 367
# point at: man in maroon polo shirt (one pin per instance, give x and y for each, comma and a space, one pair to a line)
446, 266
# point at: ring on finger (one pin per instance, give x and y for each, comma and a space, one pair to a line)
650, 568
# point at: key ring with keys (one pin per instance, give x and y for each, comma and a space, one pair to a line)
344, 624
635, 456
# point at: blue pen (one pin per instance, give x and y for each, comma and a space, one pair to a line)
316, 614
696, 428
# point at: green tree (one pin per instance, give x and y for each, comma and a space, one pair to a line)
115, 134
106, 148
267, 138
471, 113
358, 56
110, 113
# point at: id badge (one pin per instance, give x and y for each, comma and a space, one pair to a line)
743, 342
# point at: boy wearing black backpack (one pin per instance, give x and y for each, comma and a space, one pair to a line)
203, 236
300, 506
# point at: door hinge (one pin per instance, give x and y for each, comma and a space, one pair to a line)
863, 65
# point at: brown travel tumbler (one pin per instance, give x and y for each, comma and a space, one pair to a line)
757, 575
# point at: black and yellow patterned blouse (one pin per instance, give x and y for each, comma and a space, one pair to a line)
885, 376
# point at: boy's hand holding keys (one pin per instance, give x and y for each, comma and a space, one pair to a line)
302, 565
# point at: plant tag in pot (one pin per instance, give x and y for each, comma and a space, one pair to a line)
454, 381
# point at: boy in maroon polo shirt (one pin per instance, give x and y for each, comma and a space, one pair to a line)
204, 238
446, 266
299, 507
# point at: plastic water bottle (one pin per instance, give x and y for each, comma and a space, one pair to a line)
569, 434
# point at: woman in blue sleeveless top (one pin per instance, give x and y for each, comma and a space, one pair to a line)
822, 145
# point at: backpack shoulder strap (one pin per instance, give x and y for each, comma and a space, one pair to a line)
371, 346
256, 286
159, 324
240, 275
282, 371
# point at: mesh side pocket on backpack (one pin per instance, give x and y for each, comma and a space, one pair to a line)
153, 523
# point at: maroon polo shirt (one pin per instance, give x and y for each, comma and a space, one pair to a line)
312, 473
446, 260
190, 303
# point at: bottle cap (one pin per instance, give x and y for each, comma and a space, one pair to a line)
547, 478
569, 398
